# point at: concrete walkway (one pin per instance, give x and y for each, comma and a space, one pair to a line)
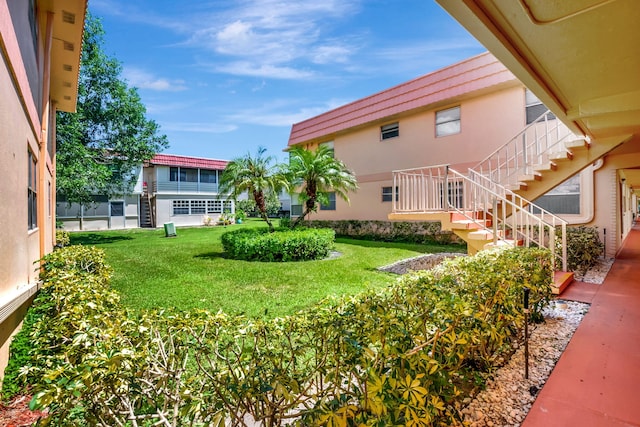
596, 382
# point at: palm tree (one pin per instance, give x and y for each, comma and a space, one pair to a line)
255, 175
317, 173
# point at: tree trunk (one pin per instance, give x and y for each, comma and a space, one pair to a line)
258, 197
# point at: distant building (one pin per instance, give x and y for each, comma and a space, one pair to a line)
170, 188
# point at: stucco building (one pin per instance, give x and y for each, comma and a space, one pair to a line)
460, 116
169, 188
40, 44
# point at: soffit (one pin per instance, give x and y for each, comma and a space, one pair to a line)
66, 48
580, 57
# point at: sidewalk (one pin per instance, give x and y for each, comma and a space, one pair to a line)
596, 382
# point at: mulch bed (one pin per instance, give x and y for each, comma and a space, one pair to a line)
16, 413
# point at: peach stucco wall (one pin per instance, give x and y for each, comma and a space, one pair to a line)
487, 122
613, 202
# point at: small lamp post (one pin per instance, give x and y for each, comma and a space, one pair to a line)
526, 333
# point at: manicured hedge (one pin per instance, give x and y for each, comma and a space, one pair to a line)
258, 244
406, 231
394, 357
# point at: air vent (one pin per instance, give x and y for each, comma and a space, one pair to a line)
66, 84
67, 98
67, 67
68, 17
68, 46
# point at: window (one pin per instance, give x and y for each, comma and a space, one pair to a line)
534, 107
32, 193
331, 206
198, 207
330, 146
183, 174
562, 200
214, 206
181, 207
208, 176
387, 194
390, 131
116, 208
448, 121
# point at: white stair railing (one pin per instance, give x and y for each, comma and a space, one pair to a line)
477, 198
536, 146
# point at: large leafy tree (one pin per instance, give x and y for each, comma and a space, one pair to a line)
100, 146
258, 175
316, 174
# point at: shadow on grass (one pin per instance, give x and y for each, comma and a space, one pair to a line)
97, 239
212, 255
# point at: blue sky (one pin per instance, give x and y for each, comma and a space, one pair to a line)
224, 77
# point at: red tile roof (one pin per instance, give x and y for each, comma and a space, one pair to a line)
452, 82
186, 161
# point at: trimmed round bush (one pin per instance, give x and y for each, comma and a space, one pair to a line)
258, 244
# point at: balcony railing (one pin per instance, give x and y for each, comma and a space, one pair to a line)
184, 187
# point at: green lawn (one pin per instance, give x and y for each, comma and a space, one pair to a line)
191, 271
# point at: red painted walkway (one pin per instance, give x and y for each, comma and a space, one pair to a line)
596, 382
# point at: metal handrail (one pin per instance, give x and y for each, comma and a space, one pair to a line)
538, 144
443, 189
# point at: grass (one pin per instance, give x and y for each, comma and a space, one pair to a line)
191, 271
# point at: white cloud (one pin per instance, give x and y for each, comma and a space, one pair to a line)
145, 80
282, 113
246, 68
198, 127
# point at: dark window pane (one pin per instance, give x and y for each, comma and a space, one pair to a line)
117, 208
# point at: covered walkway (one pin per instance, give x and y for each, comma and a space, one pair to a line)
596, 382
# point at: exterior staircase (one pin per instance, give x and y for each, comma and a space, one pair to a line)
146, 212
490, 205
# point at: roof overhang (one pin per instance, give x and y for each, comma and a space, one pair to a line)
580, 57
66, 48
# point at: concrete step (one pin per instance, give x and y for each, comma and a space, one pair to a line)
561, 279
545, 167
561, 156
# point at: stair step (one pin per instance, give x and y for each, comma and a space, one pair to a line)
545, 167
561, 155
561, 279
504, 242
481, 235
530, 177
469, 224
519, 186
577, 144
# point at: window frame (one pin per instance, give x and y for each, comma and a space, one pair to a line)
111, 205
389, 131
32, 191
331, 206
533, 107
387, 193
441, 122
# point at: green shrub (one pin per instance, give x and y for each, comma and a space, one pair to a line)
583, 248
393, 357
62, 238
406, 231
257, 244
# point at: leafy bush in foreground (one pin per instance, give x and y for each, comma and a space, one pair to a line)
391, 357
257, 244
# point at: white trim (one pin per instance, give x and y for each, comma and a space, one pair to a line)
13, 301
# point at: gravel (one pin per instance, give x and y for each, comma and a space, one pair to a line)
508, 396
